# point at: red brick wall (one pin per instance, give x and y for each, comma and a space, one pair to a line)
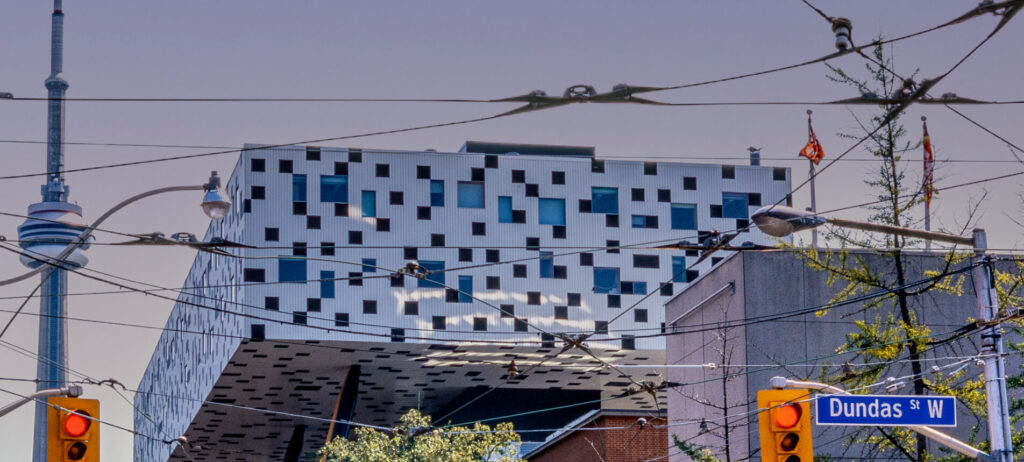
629, 445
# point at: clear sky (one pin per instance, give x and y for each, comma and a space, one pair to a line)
457, 49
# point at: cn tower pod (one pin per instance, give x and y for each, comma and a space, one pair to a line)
52, 226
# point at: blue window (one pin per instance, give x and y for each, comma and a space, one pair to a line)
604, 200
639, 221
639, 287
369, 265
334, 188
551, 211
735, 205
684, 216
291, 269
298, 188
327, 284
504, 209
547, 265
606, 280
678, 269
369, 203
434, 279
437, 193
465, 289
471, 194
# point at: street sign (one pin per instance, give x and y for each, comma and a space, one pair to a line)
886, 410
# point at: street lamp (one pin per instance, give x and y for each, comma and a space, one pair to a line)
781, 221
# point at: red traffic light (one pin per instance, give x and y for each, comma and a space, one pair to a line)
76, 425
787, 416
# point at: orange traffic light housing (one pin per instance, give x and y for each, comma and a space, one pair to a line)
72, 433
785, 426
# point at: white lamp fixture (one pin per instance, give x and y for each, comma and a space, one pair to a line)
215, 204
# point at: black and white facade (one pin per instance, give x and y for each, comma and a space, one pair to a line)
313, 320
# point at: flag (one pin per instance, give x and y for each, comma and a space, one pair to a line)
813, 150
929, 168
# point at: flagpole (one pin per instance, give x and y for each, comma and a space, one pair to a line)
814, 201
927, 186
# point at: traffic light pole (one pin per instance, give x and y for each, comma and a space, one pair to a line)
928, 432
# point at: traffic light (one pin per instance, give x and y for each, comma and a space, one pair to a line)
71, 436
785, 424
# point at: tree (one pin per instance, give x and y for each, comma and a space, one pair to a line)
415, 440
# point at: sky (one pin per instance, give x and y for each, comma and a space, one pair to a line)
450, 49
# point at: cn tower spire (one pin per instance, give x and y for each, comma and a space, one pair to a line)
55, 190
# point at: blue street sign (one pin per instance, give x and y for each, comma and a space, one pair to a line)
886, 410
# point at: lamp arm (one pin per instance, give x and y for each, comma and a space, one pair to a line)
900, 231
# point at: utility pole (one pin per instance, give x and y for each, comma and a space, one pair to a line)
54, 224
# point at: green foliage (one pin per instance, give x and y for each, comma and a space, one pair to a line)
413, 440
694, 452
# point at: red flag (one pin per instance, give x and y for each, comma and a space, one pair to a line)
929, 168
813, 150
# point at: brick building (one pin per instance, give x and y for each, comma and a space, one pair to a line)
608, 435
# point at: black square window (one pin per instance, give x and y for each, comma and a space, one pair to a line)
613, 246
639, 315
742, 225
573, 299
728, 171
754, 199
465, 254
272, 303
584, 205
518, 271
561, 272
260, 275
601, 327
257, 165
397, 280
611, 221
716, 211
258, 192
299, 249
476, 174
628, 342
312, 153
247, 205
271, 234
690, 183
258, 332
558, 232
479, 323
614, 301
355, 278
586, 259
692, 275
532, 190
789, 200
439, 322
492, 256
778, 173
397, 335
508, 311
715, 260
666, 289
383, 225
547, 341
355, 237
411, 308
479, 228
519, 216
519, 176
521, 325
561, 312
645, 261
284, 166
312, 222
369, 306
533, 243
650, 168
313, 304
396, 198
557, 177
409, 253
341, 168
327, 249
340, 319
597, 165
437, 240
451, 295
692, 253
341, 210
299, 317
423, 172
533, 298
355, 155
422, 213
638, 194
298, 208
664, 195
491, 161
651, 222
383, 170
493, 283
